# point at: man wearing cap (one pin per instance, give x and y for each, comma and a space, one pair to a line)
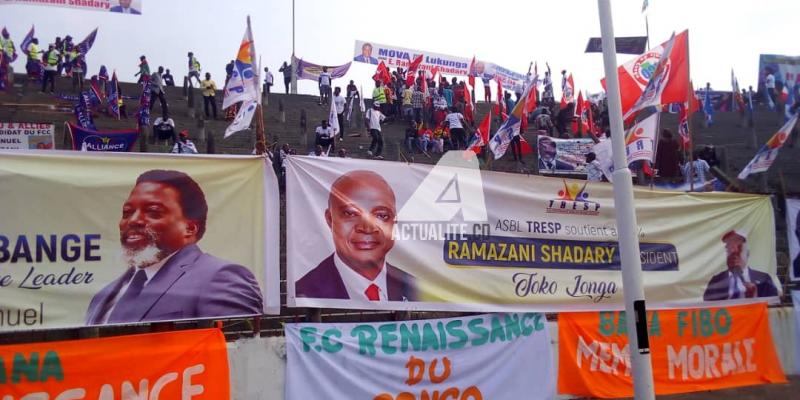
739, 280
184, 145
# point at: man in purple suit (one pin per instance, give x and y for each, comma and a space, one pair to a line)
124, 7
168, 276
361, 214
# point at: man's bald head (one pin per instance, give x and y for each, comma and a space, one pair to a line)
361, 214
357, 180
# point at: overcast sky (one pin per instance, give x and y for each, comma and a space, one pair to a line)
722, 34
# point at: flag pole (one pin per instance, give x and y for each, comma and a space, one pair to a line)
636, 320
294, 63
647, 30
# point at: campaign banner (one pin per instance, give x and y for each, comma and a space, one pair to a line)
793, 233
190, 364
455, 358
311, 71
93, 238
563, 156
785, 69
26, 136
92, 140
392, 236
132, 7
395, 56
692, 350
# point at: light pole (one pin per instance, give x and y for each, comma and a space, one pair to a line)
636, 316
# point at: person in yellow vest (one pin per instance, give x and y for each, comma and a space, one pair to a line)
209, 93
194, 68
33, 65
378, 94
51, 59
7, 55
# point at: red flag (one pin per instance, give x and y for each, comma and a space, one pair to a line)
580, 113
591, 118
412, 70
525, 147
469, 110
434, 72
569, 92
683, 126
382, 74
483, 133
499, 108
530, 102
694, 102
635, 74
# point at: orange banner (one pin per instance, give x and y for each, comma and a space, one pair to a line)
174, 365
692, 350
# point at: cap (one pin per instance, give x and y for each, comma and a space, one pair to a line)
184, 133
733, 234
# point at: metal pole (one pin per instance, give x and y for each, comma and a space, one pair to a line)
294, 64
647, 30
636, 319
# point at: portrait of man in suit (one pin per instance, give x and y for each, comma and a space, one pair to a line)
361, 215
366, 55
547, 157
125, 8
739, 280
168, 277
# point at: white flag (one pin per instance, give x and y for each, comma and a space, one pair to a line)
333, 118
243, 84
768, 152
640, 140
243, 117
604, 156
361, 98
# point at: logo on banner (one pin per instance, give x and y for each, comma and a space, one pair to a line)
573, 199
452, 190
645, 66
104, 143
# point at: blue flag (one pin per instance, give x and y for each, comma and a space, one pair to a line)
86, 44
93, 140
708, 108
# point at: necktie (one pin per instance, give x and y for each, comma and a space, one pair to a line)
736, 292
372, 292
127, 301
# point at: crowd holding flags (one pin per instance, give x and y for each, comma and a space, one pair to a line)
112, 96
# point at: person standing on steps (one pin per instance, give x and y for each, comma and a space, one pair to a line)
268, 80
373, 120
339, 101
144, 69
287, 75
209, 95
194, 68
324, 86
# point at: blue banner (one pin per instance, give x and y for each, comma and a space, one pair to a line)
93, 140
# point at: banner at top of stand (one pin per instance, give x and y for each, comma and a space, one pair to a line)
785, 69
395, 56
394, 236
90, 238
131, 7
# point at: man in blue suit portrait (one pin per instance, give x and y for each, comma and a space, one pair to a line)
168, 277
125, 8
366, 55
361, 215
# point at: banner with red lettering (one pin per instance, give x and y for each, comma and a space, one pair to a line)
491, 356
189, 364
26, 136
692, 350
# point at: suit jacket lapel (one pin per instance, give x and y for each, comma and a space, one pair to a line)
158, 286
104, 296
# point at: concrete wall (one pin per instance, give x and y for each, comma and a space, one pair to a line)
258, 365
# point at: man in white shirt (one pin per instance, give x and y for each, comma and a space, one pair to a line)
361, 214
324, 86
268, 80
769, 84
318, 152
324, 133
456, 122
373, 120
184, 145
339, 101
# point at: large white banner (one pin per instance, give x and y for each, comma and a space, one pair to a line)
395, 56
370, 234
132, 7
793, 231
26, 136
492, 356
